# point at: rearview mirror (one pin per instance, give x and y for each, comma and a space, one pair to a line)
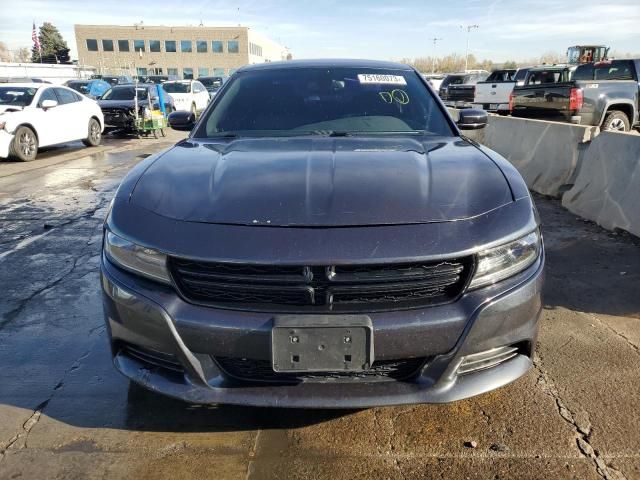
183, 121
472, 119
47, 104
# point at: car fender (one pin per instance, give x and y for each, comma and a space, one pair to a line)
15, 119
619, 101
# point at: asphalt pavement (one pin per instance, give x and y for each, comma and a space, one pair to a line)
66, 413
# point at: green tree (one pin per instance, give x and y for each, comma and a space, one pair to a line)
53, 46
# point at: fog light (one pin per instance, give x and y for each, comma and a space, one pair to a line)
486, 359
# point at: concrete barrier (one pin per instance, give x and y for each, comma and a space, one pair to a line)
596, 174
607, 188
547, 154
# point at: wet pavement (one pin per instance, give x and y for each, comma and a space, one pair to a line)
65, 413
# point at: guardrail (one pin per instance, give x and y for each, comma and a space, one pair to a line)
596, 174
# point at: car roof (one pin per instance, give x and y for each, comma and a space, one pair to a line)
326, 63
546, 68
25, 84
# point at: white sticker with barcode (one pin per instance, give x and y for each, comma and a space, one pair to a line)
377, 78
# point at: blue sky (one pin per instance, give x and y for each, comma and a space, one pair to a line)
509, 29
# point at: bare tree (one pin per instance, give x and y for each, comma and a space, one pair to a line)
5, 54
552, 57
22, 55
448, 64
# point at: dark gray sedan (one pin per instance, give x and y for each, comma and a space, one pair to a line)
325, 237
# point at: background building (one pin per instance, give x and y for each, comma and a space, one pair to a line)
186, 52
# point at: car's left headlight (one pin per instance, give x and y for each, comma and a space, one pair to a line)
135, 258
501, 262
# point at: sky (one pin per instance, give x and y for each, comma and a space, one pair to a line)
508, 29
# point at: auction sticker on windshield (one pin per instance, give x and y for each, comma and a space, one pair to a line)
381, 79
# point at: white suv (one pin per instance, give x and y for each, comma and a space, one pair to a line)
188, 95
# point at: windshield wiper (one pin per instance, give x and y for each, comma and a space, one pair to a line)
328, 133
224, 135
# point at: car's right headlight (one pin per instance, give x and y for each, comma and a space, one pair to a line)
501, 262
135, 258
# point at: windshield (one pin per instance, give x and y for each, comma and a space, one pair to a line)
215, 82
501, 76
454, 80
537, 77
125, 93
614, 70
326, 100
177, 87
82, 87
18, 96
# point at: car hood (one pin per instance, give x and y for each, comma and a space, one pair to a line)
322, 182
10, 108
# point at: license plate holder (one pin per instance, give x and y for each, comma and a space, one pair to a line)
321, 343
493, 106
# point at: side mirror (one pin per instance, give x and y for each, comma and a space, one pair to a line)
184, 121
472, 119
47, 104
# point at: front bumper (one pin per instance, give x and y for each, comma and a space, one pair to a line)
182, 106
5, 143
458, 103
153, 317
491, 107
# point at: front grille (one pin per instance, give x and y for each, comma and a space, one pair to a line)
260, 370
348, 288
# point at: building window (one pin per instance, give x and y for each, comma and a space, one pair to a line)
201, 46
218, 72
172, 72
156, 71
138, 45
123, 45
216, 46
185, 46
154, 45
187, 73
170, 46
255, 49
203, 71
142, 71
233, 46
92, 44
107, 45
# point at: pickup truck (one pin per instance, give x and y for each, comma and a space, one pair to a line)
493, 93
458, 89
604, 94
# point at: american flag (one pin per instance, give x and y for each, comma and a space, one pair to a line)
36, 40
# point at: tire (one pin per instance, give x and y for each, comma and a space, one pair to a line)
94, 134
24, 146
616, 121
194, 112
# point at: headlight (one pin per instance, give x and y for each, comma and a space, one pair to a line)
2, 124
506, 260
135, 258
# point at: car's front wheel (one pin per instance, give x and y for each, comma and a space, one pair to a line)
25, 144
94, 134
